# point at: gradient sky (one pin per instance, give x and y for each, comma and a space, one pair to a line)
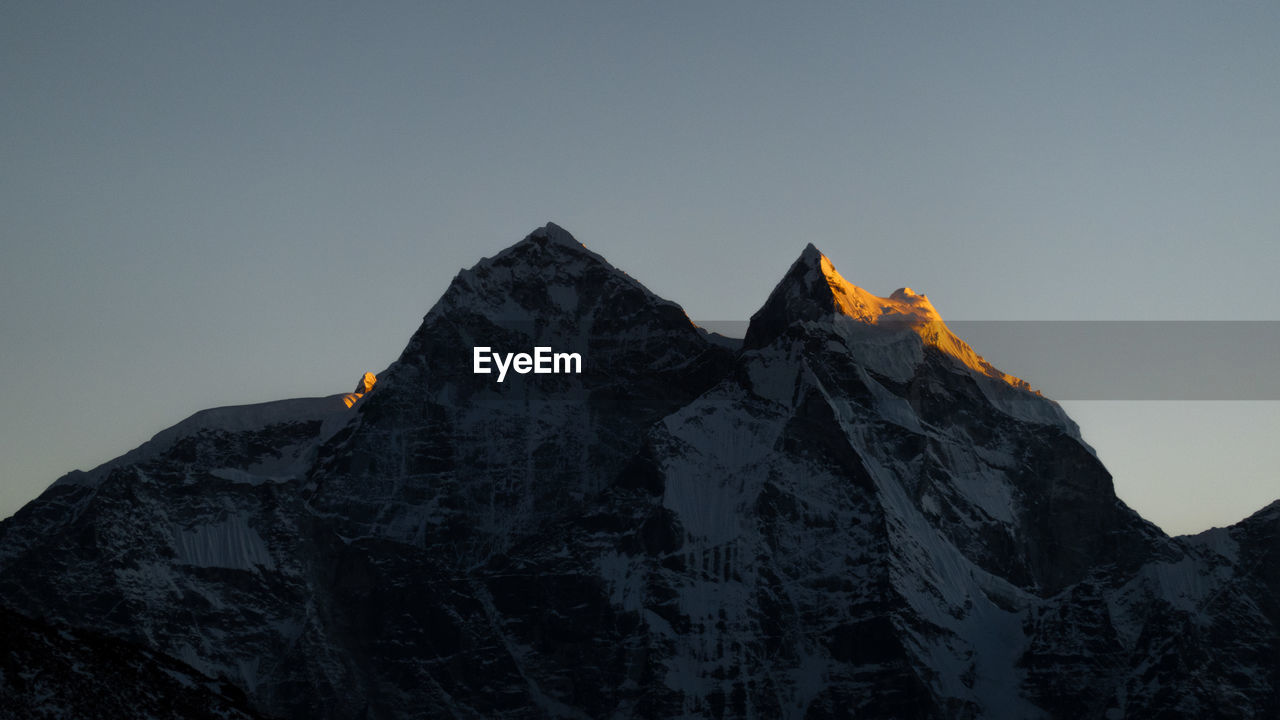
206, 204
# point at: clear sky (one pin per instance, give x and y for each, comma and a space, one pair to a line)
205, 204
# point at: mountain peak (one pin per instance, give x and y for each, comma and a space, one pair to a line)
548, 289
811, 255
553, 233
548, 270
814, 290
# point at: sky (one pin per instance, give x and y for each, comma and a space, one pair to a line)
207, 204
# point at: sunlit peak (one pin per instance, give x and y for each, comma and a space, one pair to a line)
364, 386
908, 308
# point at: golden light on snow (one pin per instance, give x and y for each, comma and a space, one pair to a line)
366, 384
909, 309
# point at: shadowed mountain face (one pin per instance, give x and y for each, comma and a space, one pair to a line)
853, 515
441, 452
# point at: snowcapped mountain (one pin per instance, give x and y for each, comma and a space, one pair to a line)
849, 514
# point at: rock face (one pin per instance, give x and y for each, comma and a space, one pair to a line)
852, 515
51, 672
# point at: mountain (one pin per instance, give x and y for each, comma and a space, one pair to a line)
848, 514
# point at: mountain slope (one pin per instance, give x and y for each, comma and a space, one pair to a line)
880, 523
56, 672
192, 545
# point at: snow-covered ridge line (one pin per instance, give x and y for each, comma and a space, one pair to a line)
903, 308
331, 410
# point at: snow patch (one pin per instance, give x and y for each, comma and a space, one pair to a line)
229, 543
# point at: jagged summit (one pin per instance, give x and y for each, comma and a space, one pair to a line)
549, 245
552, 232
814, 290
549, 279
545, 290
